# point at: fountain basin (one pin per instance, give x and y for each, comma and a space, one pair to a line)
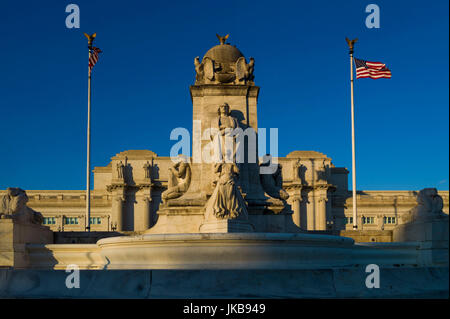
247, 251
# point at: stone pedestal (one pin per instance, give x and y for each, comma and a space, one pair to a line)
432, 235
13, 239
179, 216
226, 226
242, 100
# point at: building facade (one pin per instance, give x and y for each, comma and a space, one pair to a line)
127, 194
319, 198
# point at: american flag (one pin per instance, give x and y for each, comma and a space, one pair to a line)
373, 70
93, 57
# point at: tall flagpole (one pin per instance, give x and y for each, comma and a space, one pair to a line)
88, 165
350, 45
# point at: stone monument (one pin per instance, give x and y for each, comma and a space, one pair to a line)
428, 225
220, 189
19, 225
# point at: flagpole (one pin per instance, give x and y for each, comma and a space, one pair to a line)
88, 164
355, 223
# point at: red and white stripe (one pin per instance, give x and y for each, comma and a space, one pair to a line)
373, 70
374, 74
93, 58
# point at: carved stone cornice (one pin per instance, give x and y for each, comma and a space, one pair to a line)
114, 186
294, 186
157, 185
328, 187
223, 90
145, 186
299, 186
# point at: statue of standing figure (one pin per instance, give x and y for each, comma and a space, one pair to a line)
147, 166
120, 168
226, 201
179, 179
322, 172
226, 139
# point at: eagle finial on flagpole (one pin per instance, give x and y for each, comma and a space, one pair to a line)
351, 43
90, 38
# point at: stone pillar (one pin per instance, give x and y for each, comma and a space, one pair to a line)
60, 223
329, 215
147, 214
82, 220
296, 204
108, 222
142, 210
320, 206
310, 218
380, 222
142, 213
321, 209
296, 201
117, 210
117, 190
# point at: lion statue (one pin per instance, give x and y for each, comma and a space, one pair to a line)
14, 205
429, 206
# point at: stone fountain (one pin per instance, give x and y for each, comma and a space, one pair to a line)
225, 228
224, 207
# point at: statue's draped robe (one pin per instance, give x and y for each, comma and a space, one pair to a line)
226, 201
225, 146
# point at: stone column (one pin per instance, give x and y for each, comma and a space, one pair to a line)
142, 213
117, 210
321, 209
117, 190
142, 209
147, 214
296, 200
380, 222
60, 223
296, 204
311, 214
82, 222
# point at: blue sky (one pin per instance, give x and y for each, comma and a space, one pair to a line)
141, 83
